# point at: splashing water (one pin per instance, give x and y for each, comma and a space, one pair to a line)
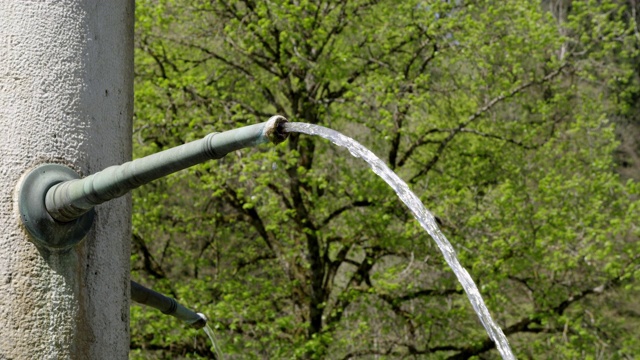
214, 343
425, 218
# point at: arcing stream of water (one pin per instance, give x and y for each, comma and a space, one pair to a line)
214, 343
425, 218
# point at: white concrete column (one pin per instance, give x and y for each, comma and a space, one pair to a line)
66, 93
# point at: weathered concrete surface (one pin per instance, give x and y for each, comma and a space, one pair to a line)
66, 70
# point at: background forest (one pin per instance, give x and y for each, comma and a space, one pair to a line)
515, 121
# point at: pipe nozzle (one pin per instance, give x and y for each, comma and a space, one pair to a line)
202, 322
274, 129
166, 305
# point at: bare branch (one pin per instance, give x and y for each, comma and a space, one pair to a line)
497, 137
151, 266
342, 209
531, 322
479, 113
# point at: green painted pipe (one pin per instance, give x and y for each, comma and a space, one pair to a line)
166, 305
70, 199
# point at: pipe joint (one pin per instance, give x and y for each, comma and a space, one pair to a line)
45, 230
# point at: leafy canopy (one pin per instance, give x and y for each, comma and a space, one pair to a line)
499, 115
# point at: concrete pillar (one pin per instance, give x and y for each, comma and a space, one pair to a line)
66, 93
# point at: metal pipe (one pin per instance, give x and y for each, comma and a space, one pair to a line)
71, 199
166, 305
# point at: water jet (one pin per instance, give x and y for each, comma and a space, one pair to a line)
426, 220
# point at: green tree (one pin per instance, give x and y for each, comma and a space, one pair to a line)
496, 113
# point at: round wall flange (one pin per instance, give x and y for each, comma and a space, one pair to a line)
44, 230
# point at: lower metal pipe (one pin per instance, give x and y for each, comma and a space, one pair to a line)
166, 305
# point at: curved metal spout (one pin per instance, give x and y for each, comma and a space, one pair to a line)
166, 305
71, 199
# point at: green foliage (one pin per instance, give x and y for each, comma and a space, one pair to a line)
500, 115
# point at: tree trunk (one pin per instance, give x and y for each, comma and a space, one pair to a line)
66, 91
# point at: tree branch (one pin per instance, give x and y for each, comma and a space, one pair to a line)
340, 210
531, 322
150, 264
479, 113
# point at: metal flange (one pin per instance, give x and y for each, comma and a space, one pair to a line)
45, 230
